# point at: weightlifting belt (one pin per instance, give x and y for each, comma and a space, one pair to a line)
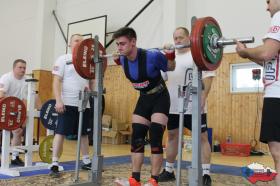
157, 89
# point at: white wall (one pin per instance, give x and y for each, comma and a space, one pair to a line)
17, 19
45, 33
149, 24
29, 31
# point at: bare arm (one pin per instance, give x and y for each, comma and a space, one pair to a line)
171, 65
91, 84
170, 55
2, 94
57, 88
207, 82
259, 54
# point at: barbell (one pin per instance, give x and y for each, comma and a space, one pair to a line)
206, 44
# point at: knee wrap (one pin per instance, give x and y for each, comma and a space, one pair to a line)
139, 132
156, 135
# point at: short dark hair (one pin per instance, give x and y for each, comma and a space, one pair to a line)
18, 61
186, 31
125, 31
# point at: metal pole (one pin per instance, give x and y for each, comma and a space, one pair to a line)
195, 171
97, 160
59, 26
81, 110
30, 121
183, 94
134, 17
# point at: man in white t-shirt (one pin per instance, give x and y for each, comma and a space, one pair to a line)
66, 86
267, 55
13, 84
180, 76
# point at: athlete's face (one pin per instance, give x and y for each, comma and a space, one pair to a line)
19, 69
76, 39
181, 38
273, 6
125, 45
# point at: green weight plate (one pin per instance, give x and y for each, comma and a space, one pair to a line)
211, 31
45, 149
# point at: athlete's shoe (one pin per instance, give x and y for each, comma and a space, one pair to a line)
151, 182
124, 182
206, 180
166, 176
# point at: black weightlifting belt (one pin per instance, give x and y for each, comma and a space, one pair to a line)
157, 89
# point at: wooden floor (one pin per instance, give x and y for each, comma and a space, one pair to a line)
69, 154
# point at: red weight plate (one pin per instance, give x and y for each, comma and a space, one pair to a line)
197, 44
12, 113
83, 55
74, 60
1, 126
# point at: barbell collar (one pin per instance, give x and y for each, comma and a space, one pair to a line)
223, 41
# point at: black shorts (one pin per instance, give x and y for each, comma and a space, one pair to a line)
149, 104
173, 122
68, 122
270, 126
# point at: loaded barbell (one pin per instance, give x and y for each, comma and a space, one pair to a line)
206, 44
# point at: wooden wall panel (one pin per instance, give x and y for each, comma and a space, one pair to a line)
120, 97
44, 87
228, 114
234, 114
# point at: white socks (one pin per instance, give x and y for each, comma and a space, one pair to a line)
14, 155
169, 167
86, 159
206, 169
55, 161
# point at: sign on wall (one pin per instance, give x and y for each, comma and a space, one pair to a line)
88, 28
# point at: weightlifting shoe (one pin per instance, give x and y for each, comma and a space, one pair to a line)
206, 180
124, 182
166, 176
86, 166
151, 182
17, 162
54, 172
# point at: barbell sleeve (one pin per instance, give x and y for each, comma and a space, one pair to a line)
172, 47
223, 41
109, 55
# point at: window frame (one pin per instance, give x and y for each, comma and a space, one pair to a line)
251, 65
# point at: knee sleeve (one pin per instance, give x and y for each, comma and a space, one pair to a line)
156, 135
139, 132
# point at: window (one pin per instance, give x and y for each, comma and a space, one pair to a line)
241, 78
